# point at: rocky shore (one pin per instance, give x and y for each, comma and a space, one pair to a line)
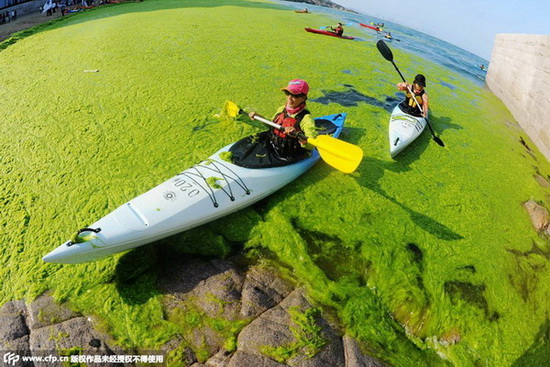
279, 324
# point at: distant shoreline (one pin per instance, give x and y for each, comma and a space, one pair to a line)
324, 3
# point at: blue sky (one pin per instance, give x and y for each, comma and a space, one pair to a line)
469, 24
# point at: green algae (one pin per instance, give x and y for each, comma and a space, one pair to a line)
227, 156
213, 182
428, 259
308, 337
189, 318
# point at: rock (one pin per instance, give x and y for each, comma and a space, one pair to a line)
18, 347
188, 357
13, 307
220, 295
539, 215
274, 328
262, 290
12, 327
220, 359
12, 322
284, 324
241, 359
356, 358
44, 311
543, 182
214, 286
72, 335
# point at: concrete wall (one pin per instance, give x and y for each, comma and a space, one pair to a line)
519, 74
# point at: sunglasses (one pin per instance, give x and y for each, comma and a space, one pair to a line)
294, 95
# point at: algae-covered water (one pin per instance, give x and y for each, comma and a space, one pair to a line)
428, 259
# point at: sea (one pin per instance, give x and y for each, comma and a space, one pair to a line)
425, 46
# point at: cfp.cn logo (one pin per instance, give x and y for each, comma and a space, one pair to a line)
11, 358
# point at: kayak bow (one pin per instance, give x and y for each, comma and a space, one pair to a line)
403, 130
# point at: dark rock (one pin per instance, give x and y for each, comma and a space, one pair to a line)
220, 295
177, 342
181, 277
220, 359
13, 307
241, 359
215, 286
12, 327
215, 289
18, 347
12, 322
72, 336
356, 358
262, 290
44, 311
274, 328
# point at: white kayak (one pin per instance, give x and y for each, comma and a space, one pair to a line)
404, 129
207, 191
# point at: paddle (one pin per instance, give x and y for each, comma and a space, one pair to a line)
388, 55
339, 154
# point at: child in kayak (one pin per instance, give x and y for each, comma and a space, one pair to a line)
275, 147
338, 30
409, 105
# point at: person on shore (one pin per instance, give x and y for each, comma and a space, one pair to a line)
338, 30
280, 147
418, 97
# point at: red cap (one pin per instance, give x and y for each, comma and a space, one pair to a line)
297, 86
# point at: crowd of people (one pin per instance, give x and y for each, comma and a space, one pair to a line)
8, 16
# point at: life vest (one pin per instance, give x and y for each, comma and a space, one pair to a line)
285, 120
411, 105
287, 148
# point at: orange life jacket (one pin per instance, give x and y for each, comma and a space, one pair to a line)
286, 120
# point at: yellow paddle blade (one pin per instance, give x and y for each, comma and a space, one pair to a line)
339, 154
230, 109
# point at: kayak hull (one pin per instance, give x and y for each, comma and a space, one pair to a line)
327, 33
370, 27
205, 192
403, 130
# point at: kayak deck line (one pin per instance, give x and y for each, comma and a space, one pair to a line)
208, 189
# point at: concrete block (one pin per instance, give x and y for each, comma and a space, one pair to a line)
519, 74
